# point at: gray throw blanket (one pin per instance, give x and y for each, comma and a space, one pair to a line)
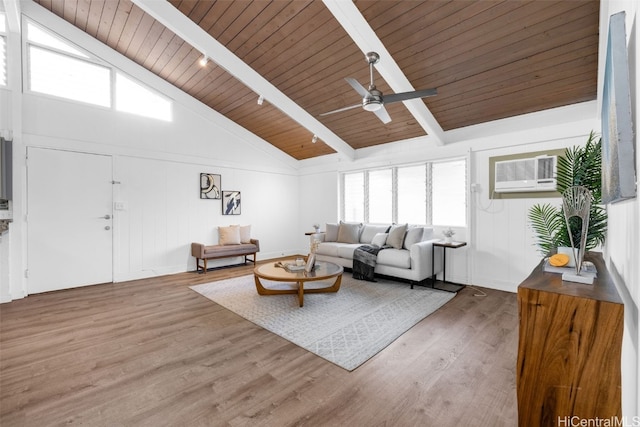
364, 262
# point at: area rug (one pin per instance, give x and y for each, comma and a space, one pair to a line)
346, 328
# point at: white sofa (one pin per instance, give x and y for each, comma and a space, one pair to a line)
409, 257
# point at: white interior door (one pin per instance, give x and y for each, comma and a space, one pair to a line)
69, 219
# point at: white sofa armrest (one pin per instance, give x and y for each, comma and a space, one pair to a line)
420, 254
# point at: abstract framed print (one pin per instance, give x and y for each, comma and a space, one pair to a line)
230, 203
210, 186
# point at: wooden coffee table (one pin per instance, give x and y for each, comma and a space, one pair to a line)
296, 280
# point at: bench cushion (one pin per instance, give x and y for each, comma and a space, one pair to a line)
214, 251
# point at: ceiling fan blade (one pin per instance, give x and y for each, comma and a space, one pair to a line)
383, 115
351, 107
404, 96
358, 87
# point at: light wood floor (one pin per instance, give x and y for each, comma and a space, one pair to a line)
153, 352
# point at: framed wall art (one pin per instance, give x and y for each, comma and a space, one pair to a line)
230, 203
618, 140
210, 185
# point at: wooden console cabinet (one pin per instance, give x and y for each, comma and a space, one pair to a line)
569, 348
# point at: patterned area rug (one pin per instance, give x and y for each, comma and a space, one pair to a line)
346, 328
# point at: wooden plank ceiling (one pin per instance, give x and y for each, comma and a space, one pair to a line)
488, 59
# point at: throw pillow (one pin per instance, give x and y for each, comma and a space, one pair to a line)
396, 236
368, 232
413, 236
379, 239
245, 234
349, 232
229, 235
331, 234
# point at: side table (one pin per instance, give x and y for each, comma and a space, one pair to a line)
444, 245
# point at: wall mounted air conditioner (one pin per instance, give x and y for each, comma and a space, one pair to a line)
524, 175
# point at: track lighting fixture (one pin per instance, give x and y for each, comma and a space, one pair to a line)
260, 100
204, 60
314, 139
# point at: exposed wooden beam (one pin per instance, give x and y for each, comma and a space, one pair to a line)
363, 35
190, 32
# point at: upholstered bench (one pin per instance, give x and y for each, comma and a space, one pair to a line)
205, 252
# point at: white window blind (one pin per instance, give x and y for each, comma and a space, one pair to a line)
380, 196
412, 194
354, 197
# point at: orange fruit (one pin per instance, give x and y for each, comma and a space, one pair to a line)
559, 260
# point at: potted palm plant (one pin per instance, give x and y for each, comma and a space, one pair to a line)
578, 166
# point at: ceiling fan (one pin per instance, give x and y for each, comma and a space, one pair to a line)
373, 100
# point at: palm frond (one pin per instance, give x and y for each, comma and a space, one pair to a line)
546, 221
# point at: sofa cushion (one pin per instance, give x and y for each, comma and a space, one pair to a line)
328, 248
396, 236
331, 233
400, 258
369, 231
346, 251
413, 236
349, 232
379, 239
229, 235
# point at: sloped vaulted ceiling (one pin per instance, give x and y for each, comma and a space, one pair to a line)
488, 60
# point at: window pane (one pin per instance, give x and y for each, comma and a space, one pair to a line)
37, 35
131, 97
354, 197
67, 77
380, 196
3, 61
412, 195
449, 202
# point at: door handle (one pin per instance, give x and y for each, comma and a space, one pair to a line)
107, 216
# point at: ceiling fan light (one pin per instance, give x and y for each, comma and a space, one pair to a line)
371, 105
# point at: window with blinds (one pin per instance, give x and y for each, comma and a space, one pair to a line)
430, 193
